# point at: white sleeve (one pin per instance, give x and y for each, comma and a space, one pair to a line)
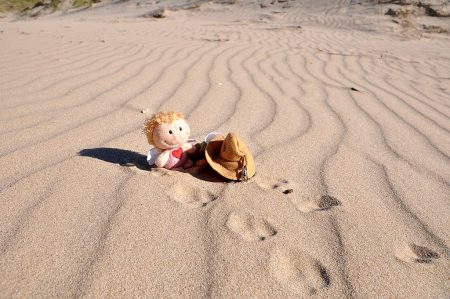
213, 135
152, 155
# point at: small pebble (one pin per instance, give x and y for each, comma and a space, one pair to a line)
157, 13
146, 110
288, 191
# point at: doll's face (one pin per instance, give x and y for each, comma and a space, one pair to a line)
173, 135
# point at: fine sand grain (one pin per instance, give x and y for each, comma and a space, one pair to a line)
347, 113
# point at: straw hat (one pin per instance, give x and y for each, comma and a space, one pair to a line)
230, 157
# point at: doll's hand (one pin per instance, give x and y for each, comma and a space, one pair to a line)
152, 155
189, 148
162, 159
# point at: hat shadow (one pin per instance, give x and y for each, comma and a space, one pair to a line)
126, 158
205, 174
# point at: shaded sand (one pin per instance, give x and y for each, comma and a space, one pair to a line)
346, 111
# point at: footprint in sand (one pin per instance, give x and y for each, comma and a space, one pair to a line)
283, 185
302, 203
413, 253
299, 271
190, 195
249, 227
305, 204
325, 202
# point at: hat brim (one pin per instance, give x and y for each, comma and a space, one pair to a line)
212, 155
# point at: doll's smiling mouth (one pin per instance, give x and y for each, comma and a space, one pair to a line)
170, 144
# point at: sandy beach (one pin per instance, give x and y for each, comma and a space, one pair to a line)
345, 109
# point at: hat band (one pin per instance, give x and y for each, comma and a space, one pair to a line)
239, 167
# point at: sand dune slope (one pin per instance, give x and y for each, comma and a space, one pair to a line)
336, 102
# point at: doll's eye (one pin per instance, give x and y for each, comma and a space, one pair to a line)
170, 131
181, 129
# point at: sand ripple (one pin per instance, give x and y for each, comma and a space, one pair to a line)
348, 118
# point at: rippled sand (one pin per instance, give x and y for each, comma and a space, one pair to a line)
336, 101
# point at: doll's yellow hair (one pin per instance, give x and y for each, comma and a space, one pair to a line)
157, 119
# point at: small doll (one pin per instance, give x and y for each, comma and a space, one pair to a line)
168, 132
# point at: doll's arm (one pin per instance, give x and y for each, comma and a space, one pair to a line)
162, 159
153, 155
188, 147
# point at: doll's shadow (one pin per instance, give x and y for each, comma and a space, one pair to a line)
122, 157
128, 158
